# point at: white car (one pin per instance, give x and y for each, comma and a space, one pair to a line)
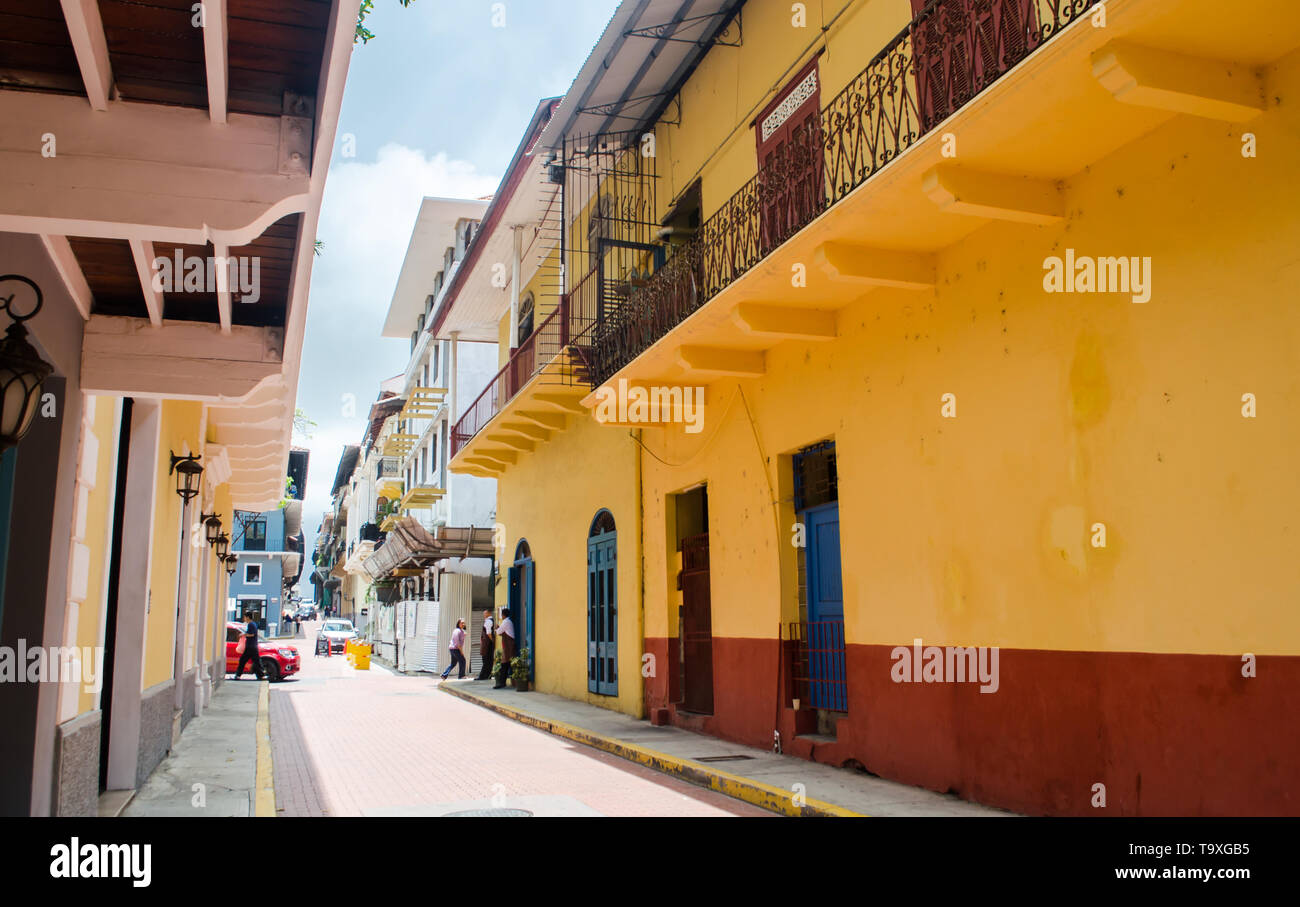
334, 633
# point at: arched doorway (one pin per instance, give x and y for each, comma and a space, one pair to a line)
521, 603
602, 606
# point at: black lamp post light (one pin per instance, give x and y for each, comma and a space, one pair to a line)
188, 471
22, 370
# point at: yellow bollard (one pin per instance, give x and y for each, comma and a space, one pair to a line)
362, 659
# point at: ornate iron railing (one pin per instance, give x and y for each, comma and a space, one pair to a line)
950, 52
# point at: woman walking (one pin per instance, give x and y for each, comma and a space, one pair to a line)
457, 650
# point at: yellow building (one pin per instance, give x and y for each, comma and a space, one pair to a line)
919, 392
162, 232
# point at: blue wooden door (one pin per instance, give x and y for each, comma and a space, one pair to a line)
827, 687
602, 614
520, 603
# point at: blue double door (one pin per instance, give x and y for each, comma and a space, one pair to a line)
824, 637
602, 614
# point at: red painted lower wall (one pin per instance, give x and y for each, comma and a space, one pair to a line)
1166, 734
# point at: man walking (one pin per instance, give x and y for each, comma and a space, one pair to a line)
486, 646
507, 638
250, 647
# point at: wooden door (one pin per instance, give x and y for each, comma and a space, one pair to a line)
790, 159
697, 626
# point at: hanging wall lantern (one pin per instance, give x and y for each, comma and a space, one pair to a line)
222, 546
231, 563
187, 471
211, 526
22, 370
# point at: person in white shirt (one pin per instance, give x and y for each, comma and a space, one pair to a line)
486, 646
506, 635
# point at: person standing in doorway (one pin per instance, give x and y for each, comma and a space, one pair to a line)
506, 636
250, 647
486, 645
457, 650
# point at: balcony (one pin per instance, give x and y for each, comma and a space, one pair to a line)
551, 354
949, 53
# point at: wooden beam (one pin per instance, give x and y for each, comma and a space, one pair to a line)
527, 429
142, 253
722, 361
960, 190
1181, 83
86, 28
221, 253
150, 170
74, 281
553, 421
876, 267
215, 39
183, 359
784, 322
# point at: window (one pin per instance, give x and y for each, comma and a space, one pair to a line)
255, 535
815, 478
253, 574
525, 318
232, 635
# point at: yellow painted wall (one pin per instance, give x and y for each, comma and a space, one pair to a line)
542, 499
180, 431
1071, 409
99, 534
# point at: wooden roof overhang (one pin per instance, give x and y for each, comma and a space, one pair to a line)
169, 134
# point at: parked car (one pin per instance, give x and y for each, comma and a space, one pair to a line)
278, 661
306, 612
334, 633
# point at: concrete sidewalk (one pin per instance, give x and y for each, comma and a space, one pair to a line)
784, 784
225, 751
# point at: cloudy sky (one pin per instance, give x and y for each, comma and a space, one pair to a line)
437, 102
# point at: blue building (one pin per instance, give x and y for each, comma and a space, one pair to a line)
269, 548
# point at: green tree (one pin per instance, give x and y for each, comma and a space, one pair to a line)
364, 34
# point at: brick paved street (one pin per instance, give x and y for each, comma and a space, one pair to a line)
353, 743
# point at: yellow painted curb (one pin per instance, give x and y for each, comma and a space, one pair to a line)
746, 789
264, 800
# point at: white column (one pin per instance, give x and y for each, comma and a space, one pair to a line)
133, 595
516, 254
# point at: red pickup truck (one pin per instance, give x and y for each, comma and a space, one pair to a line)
278, 661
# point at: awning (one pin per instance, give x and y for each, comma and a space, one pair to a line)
409, 546
644, 55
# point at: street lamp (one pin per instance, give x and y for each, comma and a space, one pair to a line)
187, 471
222, 546
22, 371
231, 563
212, 526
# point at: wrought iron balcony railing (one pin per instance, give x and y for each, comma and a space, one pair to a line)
950, 52
564, 326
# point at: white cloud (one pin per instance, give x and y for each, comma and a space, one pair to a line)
366, 220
